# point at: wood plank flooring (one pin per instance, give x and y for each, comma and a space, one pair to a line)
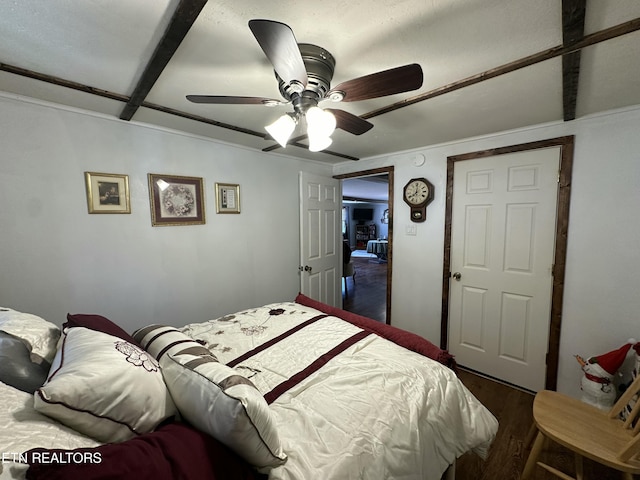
366, 294
512, 407
508, 454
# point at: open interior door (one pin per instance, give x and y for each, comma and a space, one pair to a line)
320, 239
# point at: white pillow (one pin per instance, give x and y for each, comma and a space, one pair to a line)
104, 387
39, 335
214, 398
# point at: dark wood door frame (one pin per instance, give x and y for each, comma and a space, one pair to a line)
378, 171
566, 145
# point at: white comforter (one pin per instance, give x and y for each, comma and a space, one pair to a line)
375, 411
23, 429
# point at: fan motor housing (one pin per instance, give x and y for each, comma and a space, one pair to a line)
320, 65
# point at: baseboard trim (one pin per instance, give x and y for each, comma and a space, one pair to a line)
495, 379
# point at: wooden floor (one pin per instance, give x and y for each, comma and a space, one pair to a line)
366, 294
509, 453
512, 407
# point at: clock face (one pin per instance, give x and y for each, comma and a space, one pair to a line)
416, 192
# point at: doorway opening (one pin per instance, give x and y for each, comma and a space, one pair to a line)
367, 228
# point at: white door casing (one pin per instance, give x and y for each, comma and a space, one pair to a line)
502, 245
320, 250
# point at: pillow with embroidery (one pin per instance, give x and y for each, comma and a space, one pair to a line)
214, 398
104, 387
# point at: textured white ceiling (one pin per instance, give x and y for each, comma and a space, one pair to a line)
105, 44
375, 188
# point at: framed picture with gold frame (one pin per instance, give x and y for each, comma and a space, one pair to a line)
227, 198
176, 200
107, 192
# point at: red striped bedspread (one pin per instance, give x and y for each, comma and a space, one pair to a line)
349, 403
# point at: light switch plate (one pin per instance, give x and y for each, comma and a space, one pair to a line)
411, 229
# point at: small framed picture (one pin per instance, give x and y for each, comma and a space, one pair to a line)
176, 200
107, 192
227, 198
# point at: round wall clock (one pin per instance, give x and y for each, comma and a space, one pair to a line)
418, 193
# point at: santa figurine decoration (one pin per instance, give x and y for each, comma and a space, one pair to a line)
597, 383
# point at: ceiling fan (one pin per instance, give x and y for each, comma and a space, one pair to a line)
304, 74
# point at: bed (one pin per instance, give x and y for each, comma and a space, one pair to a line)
285, 391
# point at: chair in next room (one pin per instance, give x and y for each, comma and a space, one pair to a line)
348, 269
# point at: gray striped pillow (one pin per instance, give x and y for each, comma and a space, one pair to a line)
214, 398
159, 340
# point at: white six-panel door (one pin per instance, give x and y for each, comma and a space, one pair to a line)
320, 247
502, 250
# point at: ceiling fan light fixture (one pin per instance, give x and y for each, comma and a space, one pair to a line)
317, 144
320, 123
282, 129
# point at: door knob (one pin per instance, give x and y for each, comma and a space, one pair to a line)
307, 268
457, 276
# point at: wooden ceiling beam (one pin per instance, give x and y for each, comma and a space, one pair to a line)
201, 119
183, 18
61, 82
587, 41
573, 14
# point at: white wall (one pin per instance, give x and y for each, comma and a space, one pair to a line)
56, 258
601, 303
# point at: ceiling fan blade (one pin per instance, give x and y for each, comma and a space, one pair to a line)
380, 84
227, 100
281, 48
350, 122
